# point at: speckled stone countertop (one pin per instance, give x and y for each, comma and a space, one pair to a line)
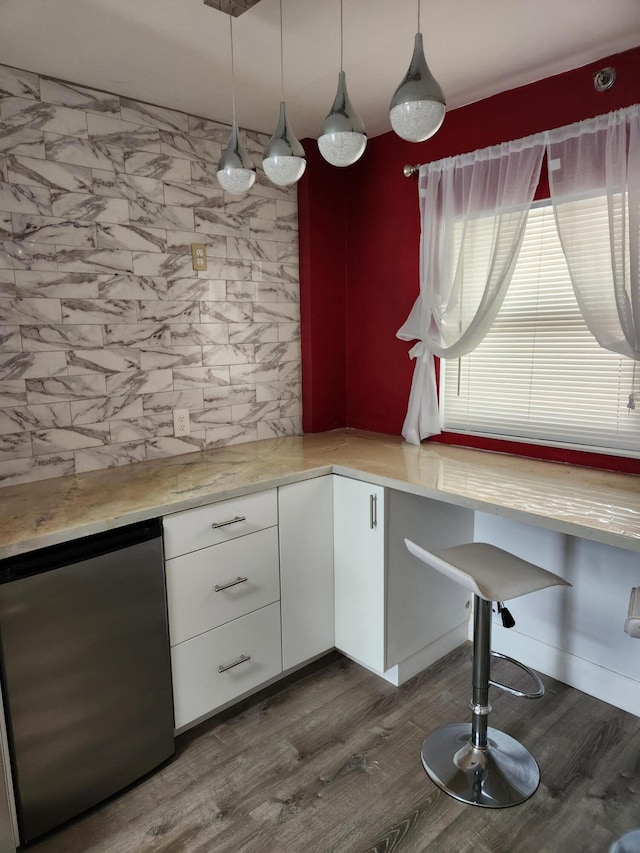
597, 505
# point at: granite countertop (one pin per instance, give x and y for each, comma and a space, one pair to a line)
598, 505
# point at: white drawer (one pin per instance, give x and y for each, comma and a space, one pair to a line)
196, 602
198, 685
193, 529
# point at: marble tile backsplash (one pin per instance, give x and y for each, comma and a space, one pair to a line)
105, 327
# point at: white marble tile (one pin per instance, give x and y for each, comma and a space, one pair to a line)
15, 445
137, 334
268, 391
167, 401
27, 418
252, 373
22, 140
19, 311
15, 255
83, 152
24, 365
124, 134
199, 377
30, 283
44, 173
161, 215
100, 260
229, 395
69, 438
249, 207
161, 166
291, 408
211, 417
62, 388
228, 269
132, 287
226, 312
180, 241
10, 339
252, 333
252, 250
135, 111
190, 147
279, 427
37, 468
68, 95
286, 210
276, 312
6, 226
193, 195
23, 112
103, 409
127, 187
153, 358
110, 360
255, 412
33, 228
139, 382
18, 198
56, 337
13, 81
199, 334
4, 172
167, 265
159, 448
109, 457
227, 435
211, 221
168, 312
289, 332
228, 354
203, 174
89, 208
290, 371
81, 311
136, 237
13, 393
140, 428
265, 189
267, 229
196, 289
288, 253
273, 291
267, 271
209, 129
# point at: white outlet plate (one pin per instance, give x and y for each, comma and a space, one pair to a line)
181, 424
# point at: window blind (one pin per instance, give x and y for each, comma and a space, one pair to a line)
539, 375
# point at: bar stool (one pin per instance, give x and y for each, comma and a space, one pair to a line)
473, 762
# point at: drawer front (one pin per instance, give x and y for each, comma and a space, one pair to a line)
212, 586
219, 522
198, 685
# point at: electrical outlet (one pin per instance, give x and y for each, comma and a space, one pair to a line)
199, 256
181, 424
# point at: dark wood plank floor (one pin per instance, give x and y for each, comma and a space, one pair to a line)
329, 762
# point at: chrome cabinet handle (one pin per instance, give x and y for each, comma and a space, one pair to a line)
373, 511
241, 659
217, 524
238, 580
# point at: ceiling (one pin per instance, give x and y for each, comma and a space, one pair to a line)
175, 53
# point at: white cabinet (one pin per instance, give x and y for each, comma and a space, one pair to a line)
305, 512
388, 606
223, 598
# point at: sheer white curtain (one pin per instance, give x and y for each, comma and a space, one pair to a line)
463, 274
595, 164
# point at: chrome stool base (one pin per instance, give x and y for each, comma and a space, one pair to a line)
502, 774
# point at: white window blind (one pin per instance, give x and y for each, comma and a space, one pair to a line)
539, 375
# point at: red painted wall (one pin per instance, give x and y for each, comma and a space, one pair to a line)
370, 211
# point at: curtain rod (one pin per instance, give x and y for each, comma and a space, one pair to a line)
408, 170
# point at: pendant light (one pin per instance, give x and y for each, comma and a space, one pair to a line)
343, 138
418, 105
283, 159
236, 173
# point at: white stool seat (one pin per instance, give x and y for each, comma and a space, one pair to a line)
487, 571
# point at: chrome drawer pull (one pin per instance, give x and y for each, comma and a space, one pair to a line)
235, 520
238, 580
373, 511
241, 659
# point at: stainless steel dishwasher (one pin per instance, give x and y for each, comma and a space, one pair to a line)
84, 652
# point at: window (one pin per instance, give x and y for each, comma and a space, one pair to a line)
539, 375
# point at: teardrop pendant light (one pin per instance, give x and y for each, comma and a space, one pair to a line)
236, 173
283, 160
343, 137
418, 106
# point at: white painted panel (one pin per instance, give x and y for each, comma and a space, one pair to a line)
192, 529
305, 521
8, 825
194, 603
359, 568
199, 688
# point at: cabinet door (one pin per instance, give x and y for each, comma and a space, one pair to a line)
359, 519
306, 569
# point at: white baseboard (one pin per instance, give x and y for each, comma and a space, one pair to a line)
605, 684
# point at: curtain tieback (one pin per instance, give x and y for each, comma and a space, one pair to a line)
418, 350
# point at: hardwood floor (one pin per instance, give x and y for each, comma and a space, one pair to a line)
329, 762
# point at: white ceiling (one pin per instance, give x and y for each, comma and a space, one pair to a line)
175, 53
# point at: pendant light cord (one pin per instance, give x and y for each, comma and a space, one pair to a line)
341, 38
418, 15
233, 86
281, 58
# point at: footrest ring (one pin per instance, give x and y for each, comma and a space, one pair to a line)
535, 695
